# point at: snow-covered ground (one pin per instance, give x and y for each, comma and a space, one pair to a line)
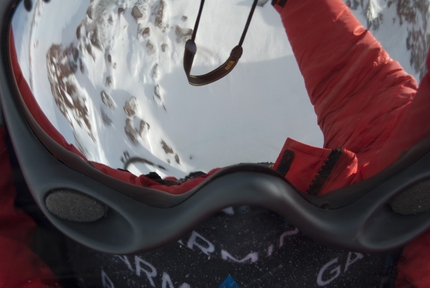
109, 76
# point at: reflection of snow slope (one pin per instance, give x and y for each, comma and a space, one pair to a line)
62, 65
404, 25
115, 71
112, 41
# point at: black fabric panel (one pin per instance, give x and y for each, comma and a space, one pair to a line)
287, 159
320, 179
279, 2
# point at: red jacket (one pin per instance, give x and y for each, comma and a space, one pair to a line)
363, 99
19, 266
367, 106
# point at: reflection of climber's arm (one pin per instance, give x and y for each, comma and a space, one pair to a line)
345, 68
331, 47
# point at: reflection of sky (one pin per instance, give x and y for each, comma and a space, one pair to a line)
21, 24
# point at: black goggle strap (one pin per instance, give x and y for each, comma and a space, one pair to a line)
226, 67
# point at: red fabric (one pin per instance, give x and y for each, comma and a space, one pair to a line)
362, 97
366, 105
414, 266
19, 266
146, 182
308, 160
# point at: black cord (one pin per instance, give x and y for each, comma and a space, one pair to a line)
226, 67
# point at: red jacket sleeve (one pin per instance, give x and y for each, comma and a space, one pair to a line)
359, 93
19, 266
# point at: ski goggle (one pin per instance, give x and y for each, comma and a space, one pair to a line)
111, 215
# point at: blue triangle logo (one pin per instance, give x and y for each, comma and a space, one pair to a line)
229, 283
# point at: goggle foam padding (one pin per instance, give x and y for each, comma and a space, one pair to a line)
413, 200
75, 206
